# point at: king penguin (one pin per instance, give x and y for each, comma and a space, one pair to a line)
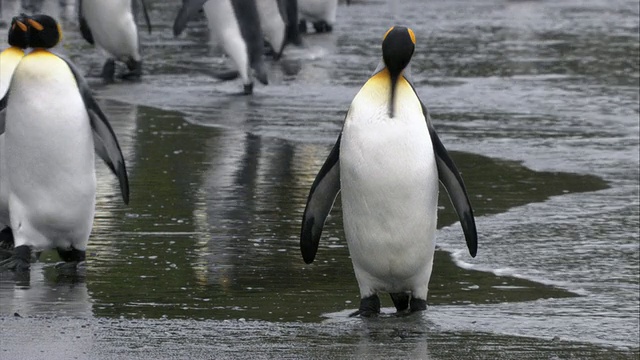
111, 26
9, 60
236, 23
387, 162
53, 125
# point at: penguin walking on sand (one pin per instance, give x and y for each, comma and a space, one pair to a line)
387, 162
9, 60
236, 23
111, 25
52, 127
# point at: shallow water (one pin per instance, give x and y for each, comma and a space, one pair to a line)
538, 103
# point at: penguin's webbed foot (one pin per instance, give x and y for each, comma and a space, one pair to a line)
268, 49
72, 257
260, 72
6, 239
247, 89
19, 261
227, 75
369, 306
135, 70
418, 304
302, 27
400, 301
293, 35
109, 71
322, 26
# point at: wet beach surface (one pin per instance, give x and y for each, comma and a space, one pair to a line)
538, 104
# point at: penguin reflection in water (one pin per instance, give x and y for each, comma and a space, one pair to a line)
387, 162
111, 26
52, 126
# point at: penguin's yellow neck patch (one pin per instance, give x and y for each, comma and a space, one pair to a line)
381, 77
14, 51
382, 81
376, 93
40, 51
39, 54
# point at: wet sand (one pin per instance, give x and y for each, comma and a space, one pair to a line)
383, 338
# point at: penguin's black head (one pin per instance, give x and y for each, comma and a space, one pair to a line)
18, 32
397, 48
44, 31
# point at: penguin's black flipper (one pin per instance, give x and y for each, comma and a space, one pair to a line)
322, 195
107, 147
449, 176
145, 13
188, 10
3, 111
84, 27
104, 139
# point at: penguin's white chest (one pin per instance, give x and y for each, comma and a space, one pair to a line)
49, 155
389, 183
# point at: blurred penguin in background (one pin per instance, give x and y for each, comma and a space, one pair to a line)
111, 26
273, 26
236, 23
321, 13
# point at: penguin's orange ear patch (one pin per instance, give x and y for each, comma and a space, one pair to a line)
387, 33
21, 25
59, 31
36, 25
413, 36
